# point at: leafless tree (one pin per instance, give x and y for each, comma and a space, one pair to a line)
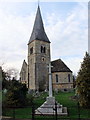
13, 73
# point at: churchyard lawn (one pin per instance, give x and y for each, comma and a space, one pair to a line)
62, 97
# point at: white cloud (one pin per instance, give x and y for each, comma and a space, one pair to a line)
14, 36
68, 36
74, 64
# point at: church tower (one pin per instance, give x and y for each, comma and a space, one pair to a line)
38, 56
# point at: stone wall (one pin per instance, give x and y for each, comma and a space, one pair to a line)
63, 80
37, 65
23, 73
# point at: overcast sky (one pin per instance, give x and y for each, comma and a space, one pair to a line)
65, 23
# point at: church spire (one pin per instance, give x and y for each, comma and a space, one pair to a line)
38, 32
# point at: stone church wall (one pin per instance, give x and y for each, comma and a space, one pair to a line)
37, 62
64, 82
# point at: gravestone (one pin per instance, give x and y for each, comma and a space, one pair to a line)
48, 107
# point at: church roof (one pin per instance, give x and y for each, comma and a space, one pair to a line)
24, 66
38, 32
59, 66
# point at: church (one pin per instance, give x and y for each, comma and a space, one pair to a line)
34, 72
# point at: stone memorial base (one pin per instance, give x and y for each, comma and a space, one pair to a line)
48, 108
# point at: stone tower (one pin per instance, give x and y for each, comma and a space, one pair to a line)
38, 56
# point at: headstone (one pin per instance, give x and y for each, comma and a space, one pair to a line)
48, 107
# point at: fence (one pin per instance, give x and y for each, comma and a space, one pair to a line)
74, 113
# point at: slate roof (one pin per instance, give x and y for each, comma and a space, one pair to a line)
38, 32
59, 66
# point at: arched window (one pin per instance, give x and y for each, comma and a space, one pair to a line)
31, 50
43, 49
56, 78
68, 77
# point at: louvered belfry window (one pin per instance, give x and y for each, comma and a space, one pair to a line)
31, 50
43, 49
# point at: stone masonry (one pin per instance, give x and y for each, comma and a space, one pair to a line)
37, 63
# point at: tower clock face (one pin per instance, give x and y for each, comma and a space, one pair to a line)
43, 59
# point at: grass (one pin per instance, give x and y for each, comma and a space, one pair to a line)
19, 112
63, 98
72, 105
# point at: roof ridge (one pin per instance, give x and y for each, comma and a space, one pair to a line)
56, 60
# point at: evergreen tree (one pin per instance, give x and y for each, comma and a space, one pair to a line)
83, 82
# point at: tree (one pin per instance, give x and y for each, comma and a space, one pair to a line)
83, 82
5, 80
7, 76
74, 81
12, 73
16, 94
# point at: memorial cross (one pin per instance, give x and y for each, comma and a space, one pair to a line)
50, 80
